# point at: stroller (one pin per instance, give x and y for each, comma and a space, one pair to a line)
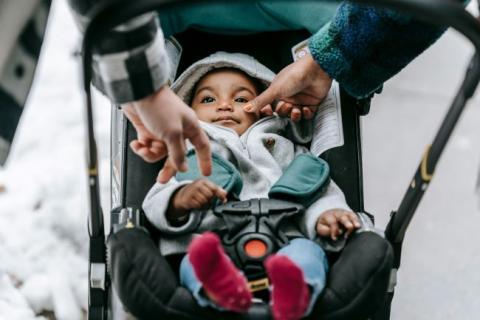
144, 282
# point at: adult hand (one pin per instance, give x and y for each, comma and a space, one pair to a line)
163, 122
146, 145
299, 88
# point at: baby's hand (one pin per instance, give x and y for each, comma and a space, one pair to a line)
334, 222
198, 195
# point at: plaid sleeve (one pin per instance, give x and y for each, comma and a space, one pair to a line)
131, 61
364, 46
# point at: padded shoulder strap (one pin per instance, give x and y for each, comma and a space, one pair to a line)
224, 174
303, 181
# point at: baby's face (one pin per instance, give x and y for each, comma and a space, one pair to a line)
220, 97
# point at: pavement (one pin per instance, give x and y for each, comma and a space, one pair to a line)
439, 277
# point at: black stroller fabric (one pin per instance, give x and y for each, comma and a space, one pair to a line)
149, 289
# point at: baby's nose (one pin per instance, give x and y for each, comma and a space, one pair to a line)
225, 106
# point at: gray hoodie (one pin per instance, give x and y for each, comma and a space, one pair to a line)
261, 155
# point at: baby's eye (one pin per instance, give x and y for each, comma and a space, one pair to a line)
241, 100
207, 99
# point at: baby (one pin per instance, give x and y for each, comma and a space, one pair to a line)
217, 88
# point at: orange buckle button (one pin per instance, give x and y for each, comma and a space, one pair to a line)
255, 248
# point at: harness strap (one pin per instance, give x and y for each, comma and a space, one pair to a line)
304, 180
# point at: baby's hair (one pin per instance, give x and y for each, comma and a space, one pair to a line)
259, 85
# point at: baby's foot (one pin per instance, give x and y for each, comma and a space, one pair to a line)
290, 295
223, 283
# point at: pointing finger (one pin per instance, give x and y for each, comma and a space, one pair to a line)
266, 97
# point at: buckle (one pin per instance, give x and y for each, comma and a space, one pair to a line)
258, 285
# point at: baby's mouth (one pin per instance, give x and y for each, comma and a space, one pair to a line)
226, 119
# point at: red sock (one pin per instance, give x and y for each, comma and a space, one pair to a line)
221, 280
290, 294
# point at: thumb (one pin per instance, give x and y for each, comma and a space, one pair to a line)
262, 100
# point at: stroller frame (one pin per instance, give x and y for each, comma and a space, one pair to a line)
439, 12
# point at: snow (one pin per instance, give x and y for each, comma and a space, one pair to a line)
43, 236
13, 304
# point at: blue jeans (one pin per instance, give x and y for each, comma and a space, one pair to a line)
308, 255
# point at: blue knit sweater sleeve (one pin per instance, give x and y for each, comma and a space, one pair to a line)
364, 46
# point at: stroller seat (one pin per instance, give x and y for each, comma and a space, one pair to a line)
148, 286
147, 283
